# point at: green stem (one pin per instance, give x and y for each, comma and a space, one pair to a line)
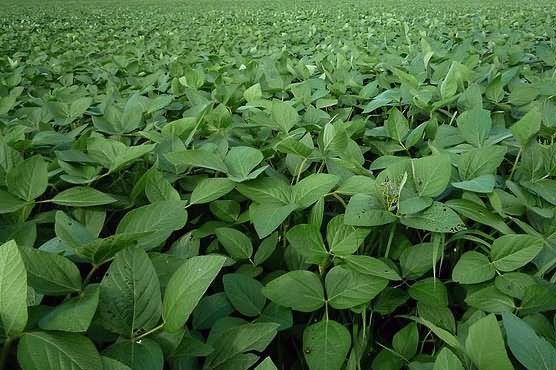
156, 328
5, 353
515, 164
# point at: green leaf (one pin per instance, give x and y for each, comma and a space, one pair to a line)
347, 289
130, 294
367, 265
211, 189
50, 273
158, 189
253, 93
241, 160
432, 174
81, 196
284, 115
186, 287
344, 239
396, 125
510, 252
182, 160
531, 350
266, 364
490, 299
449, 85
145, 354
447, 360
75, 314
527, 127
429, 291
160, 219
238, 340
473, 268
367, 210
480, 161
406, 340
13, 290
9, 203
236, 243
299, 290
485, 346
474, 126
481, 184
326, 345
479, 214
244, 293
312, 188
266, 249
437, 218
306, 239
55, 351
29, 179
266, 190
268, 217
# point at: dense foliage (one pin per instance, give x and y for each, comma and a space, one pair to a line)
292, 185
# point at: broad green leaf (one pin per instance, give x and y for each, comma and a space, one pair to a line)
473, 268
527, 127
344, 239
236, 243
367, 265
346, 288
396, 125
432, 174
447, 360
267, 364
406, 340
485, 346
9, 203
437, 218
268, 217
312, 188
474, 126
75, 314
367, 210
480, 214
158, 189
326, 345
244, 293
490, 299
29, 179
145, 354
13, 290
55, 351
160, 218
49, 273
532, 351
480, 161
266, 190
449, 85
299, 290
211, 189
182, 160
266, 249
130, 294
306, 239
241, 160
481, 184
81, 196
238, 340
429, 291
186, 287
284, 115
510, 252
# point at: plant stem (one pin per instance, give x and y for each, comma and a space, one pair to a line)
156, 328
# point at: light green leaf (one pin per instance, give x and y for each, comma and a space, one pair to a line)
284, 115
13, 290
312, 188
241, 160
367, 265
9, 203
326, 345
432, 174
473, 268
244, 293
510, 252
346, 288
29, 179
49, 273
82, 196
268, 217
474, 126
396, 125
299, 290
236, 243
344, 239
182, 160
306, 239
485, 346
406, 340
75, 314
527, 127
55, 351
481, 184
437, 218
211, 189
186, 287
447, 360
